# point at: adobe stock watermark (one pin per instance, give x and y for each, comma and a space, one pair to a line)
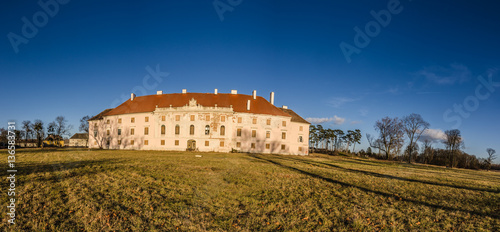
222, 7
39, 19
372, 29
147, 84
471, 103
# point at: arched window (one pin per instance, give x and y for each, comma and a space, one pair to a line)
177, 129
222, 130
163, 129
207, 129
191, 130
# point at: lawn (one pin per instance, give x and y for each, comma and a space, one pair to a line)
103, 190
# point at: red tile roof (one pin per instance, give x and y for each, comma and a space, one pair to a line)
295, 116
238, 101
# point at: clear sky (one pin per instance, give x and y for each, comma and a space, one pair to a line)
334, 62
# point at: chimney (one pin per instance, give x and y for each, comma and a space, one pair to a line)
284, 107
184, 91
132, 96
216, 91
234, 91
159, 92
272, 98
248, 105
254, 94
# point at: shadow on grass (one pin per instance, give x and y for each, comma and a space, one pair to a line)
329, 180
317, 163
30, 168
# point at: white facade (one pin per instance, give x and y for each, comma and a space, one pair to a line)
213, 129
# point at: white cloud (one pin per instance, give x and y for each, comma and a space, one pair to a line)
446, 75
338, 120
335, 119
339, 101
434, 135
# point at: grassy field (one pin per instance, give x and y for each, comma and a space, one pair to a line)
80, 190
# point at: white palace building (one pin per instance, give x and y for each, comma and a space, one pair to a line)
218, 122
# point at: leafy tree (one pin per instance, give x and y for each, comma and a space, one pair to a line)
414, 125
356, 138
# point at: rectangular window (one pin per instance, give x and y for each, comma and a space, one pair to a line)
146, 142
176, 142
222, 118
253, 145
207, 143
95, 142
268, 145
107, 121
254, 120
222, 143
146, 119
268, 134
162, 142
284, 123
300, 139
177, 129
268, 122
163, 118
240, 119
146, 130
132, 120
119, 131
132, 131
119, 120
177, 117
300, 128
238, 144
119, 142
95, 134
238, 132
254, 133
283, 135
300, 148
207, 117
132, 142
192, 117
107, 132
283, 147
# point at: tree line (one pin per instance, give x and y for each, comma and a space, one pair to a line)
37, 131
333, 140
395, 133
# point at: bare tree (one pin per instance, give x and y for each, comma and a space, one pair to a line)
84, 127
491, 157
454, 142
414, 125
27, 129
391, 136
39, 131
428, 152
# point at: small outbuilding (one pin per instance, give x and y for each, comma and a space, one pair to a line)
79, 140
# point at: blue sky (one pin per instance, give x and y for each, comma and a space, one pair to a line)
85, 56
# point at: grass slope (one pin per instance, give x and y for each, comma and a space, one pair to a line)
80, 190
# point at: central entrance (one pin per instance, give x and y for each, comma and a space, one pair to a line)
191, 145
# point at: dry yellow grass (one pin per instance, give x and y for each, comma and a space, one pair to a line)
101, 190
